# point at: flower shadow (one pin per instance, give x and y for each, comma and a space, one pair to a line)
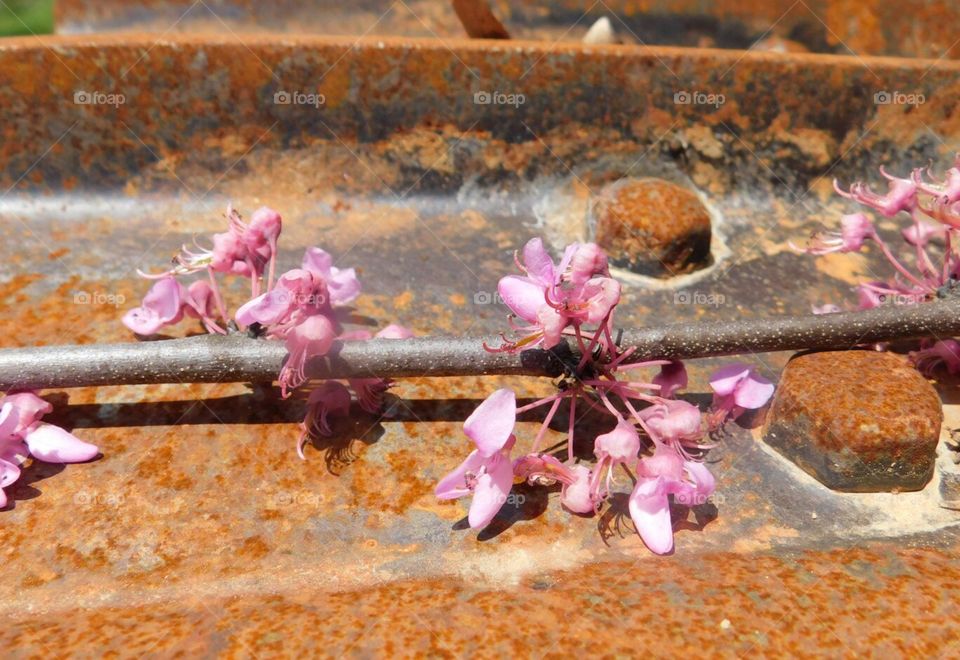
615, 520
24, 488
525, 502
351, 436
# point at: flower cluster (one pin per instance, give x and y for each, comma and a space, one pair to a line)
929, 264
301, 307
22, 435
656, 436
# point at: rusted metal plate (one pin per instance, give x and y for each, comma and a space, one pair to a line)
200, 530
914, 28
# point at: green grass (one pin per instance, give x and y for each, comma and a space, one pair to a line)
26, 17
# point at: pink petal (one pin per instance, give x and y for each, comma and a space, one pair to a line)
165, 298
576, 496
453, 485
672, 377
268, 308
9, 473
199, 300
724, 380
142, 321
343, 285
491, 424
538, 262
523, 296
703, 479
568, 254
265, 225
552, 323
29, 406
650, 511
317, 261
53, 444
9, 420
490, 493
394, 331
602, 294
753, 392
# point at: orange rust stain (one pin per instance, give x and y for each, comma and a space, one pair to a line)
402, 302
254, 547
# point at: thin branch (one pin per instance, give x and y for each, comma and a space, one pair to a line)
239, 358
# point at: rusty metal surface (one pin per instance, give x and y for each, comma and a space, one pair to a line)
914, 28
200, 530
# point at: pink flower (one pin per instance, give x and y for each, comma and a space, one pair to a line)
330, 398
311, 338
920, 233
300, 292
659, 476
621, 445
855, 228
672, 377
295, 294
200, 303
588, 261
577, 496
29, 409
526, 295
370, 391
944, 352
262, 233
162, 306
342, 284
945, 211
247, 249
617, 447
901, 195
229, 255
674, 422
738, 387
593, 302
22, 434
949, 189
551, 297
487, 472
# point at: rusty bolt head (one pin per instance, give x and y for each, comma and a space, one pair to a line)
652, 227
